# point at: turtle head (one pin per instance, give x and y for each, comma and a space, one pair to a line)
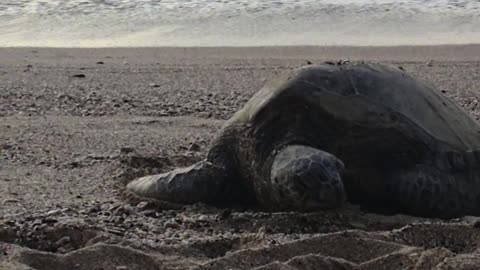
306, 179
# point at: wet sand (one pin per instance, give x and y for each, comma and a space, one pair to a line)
77, 124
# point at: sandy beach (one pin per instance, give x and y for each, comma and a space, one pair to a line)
77, 124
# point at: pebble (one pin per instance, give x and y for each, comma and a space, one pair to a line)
10, 201
203, 218
171, 224
54, 212
194, 147
127, 150
115, 231
37, 222
49, 220
79, 75
113, 207
143, 205
124, 210
63, 241
262, 230
95, 209
225, 214
7, 146
150, 213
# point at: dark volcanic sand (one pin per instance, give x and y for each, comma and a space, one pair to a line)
76, 124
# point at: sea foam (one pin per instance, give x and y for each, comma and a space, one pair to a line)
106, 23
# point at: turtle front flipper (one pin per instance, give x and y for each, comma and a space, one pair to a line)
201, 182
304, 178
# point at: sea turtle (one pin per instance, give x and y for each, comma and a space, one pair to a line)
321, 135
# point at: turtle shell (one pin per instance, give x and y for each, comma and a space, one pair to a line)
378, 120
374, 96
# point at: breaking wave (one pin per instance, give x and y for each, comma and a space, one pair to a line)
120, 23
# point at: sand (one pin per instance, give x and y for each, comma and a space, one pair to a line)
77, 124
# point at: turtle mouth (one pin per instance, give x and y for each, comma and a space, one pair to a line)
322, 189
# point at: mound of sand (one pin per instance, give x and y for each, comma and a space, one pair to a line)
363, 241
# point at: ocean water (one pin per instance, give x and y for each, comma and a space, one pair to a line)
119, 23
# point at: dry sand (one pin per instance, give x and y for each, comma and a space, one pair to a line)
76, 124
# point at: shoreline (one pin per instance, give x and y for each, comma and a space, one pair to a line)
452, 52
250, 47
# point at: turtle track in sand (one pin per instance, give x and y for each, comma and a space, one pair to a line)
328, 240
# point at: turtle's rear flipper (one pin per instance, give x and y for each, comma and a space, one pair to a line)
201, 182
426, 190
